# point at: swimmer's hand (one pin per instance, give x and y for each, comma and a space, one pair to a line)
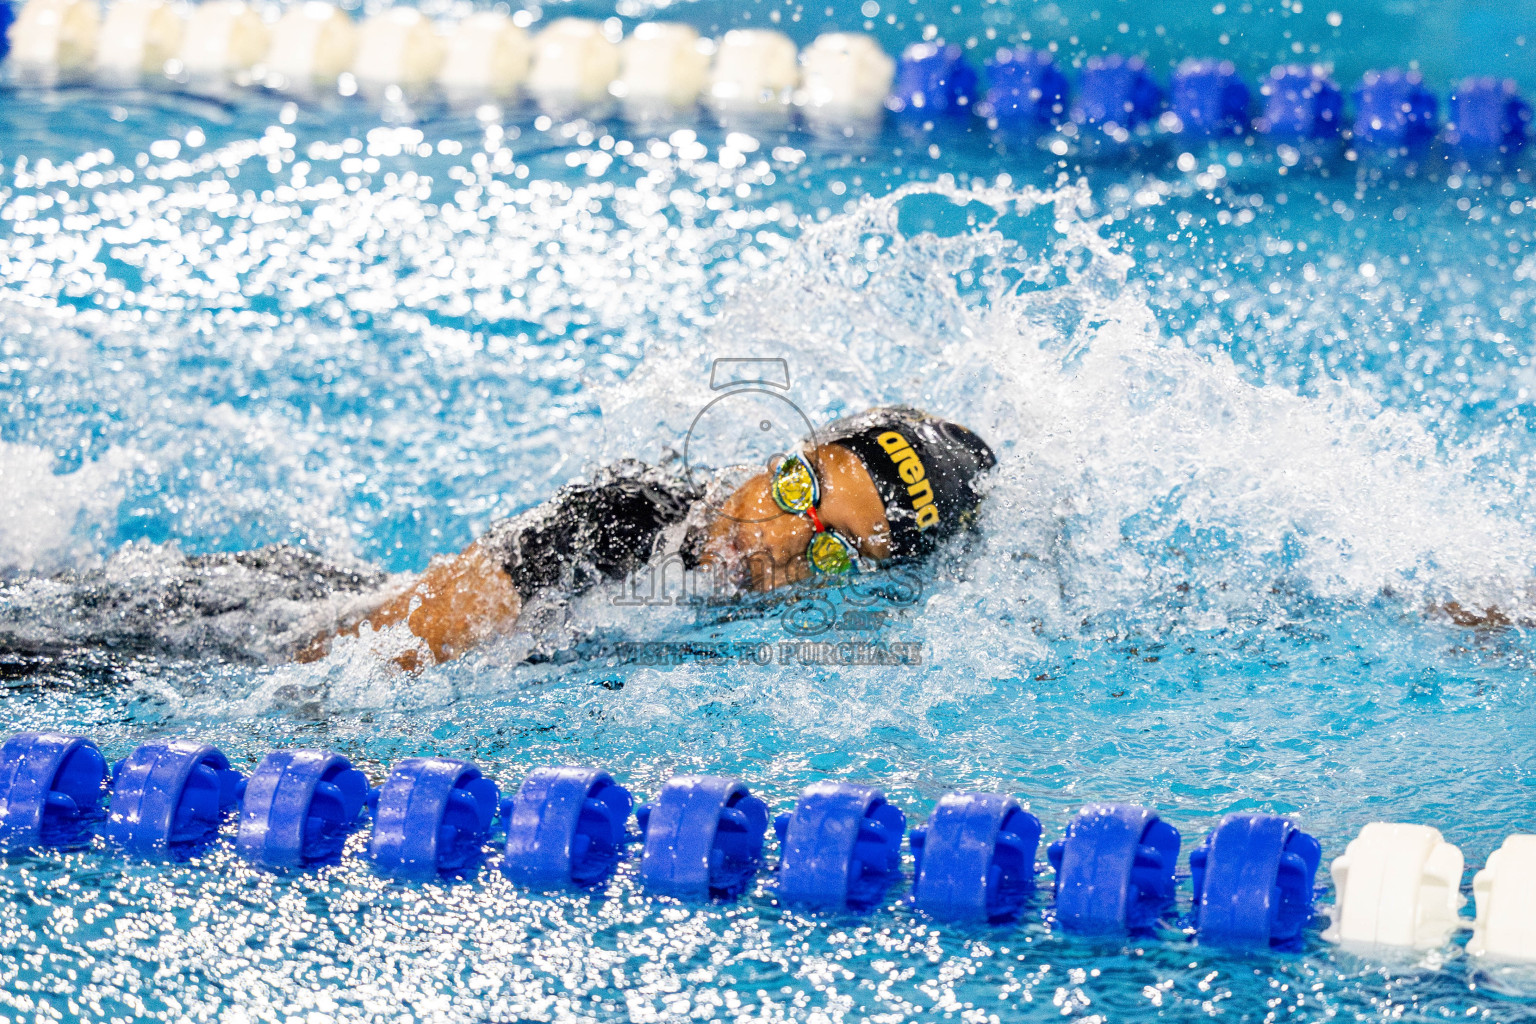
456, 604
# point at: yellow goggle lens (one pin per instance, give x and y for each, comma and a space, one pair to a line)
794, 486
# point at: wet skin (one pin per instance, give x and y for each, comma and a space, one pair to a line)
462, 600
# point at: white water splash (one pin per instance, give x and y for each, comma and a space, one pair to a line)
49, 520
1138, 477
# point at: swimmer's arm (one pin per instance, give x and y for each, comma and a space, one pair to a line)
456, 604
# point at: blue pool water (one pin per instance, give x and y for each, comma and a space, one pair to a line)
1252, 427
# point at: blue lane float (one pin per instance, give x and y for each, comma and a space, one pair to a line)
50, 789
1488, 117
975, 859
1117, 92
168, 799
298, 809
1253, 878
840, 847
1026, 91
703, 838
566, 827
1301, 103
1394, 111
934, 80
433, 816
1114, 869
1209, 99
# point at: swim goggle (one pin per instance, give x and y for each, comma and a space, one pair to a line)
797, 491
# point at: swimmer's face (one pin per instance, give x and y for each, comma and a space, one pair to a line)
757, 540
765, 545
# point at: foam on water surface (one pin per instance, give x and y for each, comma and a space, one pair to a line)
1120, 443
47, 513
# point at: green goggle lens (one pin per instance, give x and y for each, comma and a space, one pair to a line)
831, 553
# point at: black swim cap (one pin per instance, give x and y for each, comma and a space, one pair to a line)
925, 469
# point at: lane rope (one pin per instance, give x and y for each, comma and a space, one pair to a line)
1115, 870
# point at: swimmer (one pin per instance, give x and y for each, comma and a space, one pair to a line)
890, 483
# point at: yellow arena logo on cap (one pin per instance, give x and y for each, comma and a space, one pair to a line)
913, 475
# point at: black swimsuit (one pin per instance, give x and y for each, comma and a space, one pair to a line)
590, 533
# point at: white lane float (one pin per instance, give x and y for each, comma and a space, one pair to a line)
846, 78
756, 71
664, 66
574, 63
223, 38
138, 37
1505, 891
487, 54
1397, 885
398, 46
312, 44
55, 36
